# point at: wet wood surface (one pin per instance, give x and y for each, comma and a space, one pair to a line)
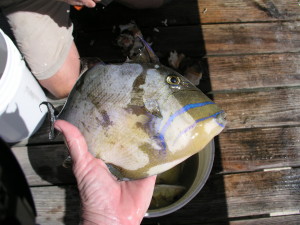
251, 49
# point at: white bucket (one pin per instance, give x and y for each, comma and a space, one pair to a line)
20, 95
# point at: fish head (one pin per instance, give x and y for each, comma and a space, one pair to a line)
189, 120
141, 118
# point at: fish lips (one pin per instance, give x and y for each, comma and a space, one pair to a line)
193, 121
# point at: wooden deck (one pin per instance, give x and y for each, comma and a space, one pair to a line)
252, 52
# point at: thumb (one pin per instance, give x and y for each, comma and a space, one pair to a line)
74, 139
78, 148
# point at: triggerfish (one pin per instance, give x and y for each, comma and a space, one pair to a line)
141, 118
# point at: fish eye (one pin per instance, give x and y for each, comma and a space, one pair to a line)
174, 80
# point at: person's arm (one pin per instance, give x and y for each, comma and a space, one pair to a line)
105, 200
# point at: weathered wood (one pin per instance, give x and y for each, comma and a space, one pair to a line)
247, 11
196, 41
290, 220
269, 108
57, 205
43, 165
190, 12
224, 196
240, 195
254, 71
254, 149
251, 38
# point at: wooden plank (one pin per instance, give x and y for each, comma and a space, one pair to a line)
224, 196
189, 12
57, 205
254, 71
251, 38
247, 11
269, 108
254, 149
241, 195
291, 220
43, 165
196, 41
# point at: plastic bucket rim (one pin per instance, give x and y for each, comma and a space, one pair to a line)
191, 193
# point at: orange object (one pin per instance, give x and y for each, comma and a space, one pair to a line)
78, 7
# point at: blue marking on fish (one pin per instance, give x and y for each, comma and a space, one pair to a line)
178, 113
163, 142
197, 121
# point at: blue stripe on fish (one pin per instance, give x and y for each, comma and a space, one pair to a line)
176, 114
197, 121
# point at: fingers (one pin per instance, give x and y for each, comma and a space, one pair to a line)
79, 153
77, 146
90, 4
87, 3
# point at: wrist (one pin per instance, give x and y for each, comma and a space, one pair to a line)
93, 218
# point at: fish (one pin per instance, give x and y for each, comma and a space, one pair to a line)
140, 117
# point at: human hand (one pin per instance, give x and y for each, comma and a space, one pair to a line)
105, 200
87, 3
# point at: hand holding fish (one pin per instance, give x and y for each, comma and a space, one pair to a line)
105, 200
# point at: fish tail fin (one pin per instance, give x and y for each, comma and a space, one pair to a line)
52, 115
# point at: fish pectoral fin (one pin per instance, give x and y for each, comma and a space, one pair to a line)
68, 162
153, 108
116, 172
52, 115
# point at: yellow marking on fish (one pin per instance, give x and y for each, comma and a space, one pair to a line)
118, 140
164, 166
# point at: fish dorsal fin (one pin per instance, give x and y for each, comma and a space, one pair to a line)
145, 54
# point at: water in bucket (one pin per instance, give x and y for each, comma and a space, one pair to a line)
20, 95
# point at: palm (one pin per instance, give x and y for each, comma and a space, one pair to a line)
101, 194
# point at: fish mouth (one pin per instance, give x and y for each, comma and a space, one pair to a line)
221, 119
194, 121
196, 104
